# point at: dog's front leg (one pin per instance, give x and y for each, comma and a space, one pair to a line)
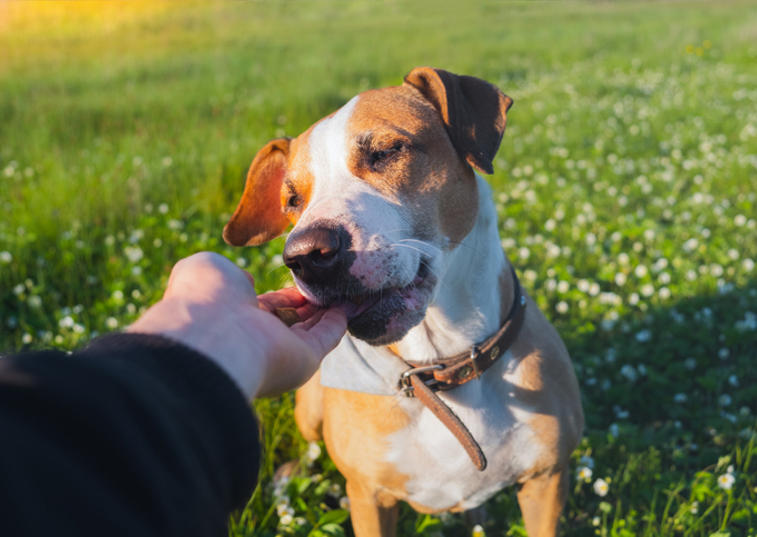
308, 410
541, 501
373, 514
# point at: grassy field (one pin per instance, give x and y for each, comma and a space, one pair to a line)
626, 186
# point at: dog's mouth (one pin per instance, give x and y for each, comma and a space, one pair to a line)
383, 316
355, 305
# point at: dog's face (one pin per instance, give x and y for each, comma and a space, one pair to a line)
379, 193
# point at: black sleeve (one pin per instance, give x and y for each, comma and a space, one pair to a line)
135, 435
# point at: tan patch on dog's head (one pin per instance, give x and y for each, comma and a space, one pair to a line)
297, 186
398, 144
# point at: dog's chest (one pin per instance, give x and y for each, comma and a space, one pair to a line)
439, 473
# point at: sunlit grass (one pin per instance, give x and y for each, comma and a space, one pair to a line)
626, 188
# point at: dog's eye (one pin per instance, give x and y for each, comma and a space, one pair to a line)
294, 201
376, 158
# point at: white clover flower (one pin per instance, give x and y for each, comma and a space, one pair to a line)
629, 372
5, 257
594, 289
136, 236
633, 299
550, 225
694, 509
241, 262
601, 487
335, 490
134, 253
623, 258
562, 307
167, 161
344, 503
724, 400
175, 225
110, 240
583, 286
19, 289
726, 481
111, 323
724, 353
279, 486
664, 293
118, 295
640, 271
524, 253
620, 279
596, 521
163, 208
691, 245
643, 336
314, 451
66, 322
740, 220
78, 328
563, 286
583, 473
282, 507
748, 265
286, 520
26, 338
136, 271
647, 289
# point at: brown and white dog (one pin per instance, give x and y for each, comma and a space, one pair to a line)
392, 224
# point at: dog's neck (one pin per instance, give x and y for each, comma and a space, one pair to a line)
470, 295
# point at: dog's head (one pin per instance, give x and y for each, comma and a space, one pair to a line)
379, 192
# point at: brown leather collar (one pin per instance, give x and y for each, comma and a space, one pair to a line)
452, 371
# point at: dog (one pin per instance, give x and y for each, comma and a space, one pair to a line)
450, 384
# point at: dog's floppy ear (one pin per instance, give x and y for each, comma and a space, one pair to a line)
474, 112
259, 217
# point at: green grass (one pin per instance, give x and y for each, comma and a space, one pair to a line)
626, 186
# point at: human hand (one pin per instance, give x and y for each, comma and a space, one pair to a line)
210, 305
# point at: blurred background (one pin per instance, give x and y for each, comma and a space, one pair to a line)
626, 187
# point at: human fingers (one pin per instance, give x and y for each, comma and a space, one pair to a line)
210, 277
323, 331
289, 297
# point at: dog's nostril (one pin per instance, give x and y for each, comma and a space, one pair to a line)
315, 253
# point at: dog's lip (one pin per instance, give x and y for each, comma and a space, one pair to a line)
355, 305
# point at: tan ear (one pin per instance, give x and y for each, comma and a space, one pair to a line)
259, 217
474, 112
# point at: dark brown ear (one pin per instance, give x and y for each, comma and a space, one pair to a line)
474, 112
259, 217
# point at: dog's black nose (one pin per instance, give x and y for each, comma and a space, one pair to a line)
316, 253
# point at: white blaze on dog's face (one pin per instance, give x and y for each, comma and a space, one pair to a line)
378, 193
